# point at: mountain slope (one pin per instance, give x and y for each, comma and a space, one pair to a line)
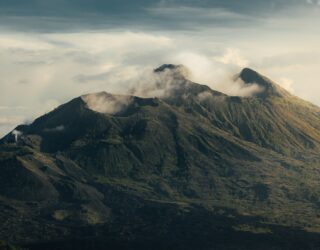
114, 168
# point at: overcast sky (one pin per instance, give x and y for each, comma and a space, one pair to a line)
52, 51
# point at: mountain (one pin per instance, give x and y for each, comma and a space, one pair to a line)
191, 169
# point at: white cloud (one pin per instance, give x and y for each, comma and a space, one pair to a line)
16, 134
106, 103
233, 56
286, 84
108, 42
10, 120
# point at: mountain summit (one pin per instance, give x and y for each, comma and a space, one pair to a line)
191, 169
268, 87
177, 71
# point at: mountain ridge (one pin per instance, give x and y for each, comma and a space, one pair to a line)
269, 88
250, 165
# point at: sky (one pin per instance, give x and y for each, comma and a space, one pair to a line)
53, 51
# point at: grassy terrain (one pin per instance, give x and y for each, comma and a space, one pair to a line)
196, 169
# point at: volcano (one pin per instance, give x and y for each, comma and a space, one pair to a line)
192, 169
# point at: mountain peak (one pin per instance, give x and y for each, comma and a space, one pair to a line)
164, 67
174, 79
250, 76
268, 87
178, 71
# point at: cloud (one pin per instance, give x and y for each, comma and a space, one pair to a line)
139, 15
92, 78
313, 2
176, 15
12, 108
105, 103
292, 59
218, 71
16, 134
10, 120
286, 84
160, 82
233, 57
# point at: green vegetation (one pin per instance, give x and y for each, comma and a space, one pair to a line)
163, 170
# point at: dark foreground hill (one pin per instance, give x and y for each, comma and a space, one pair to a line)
192, 169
